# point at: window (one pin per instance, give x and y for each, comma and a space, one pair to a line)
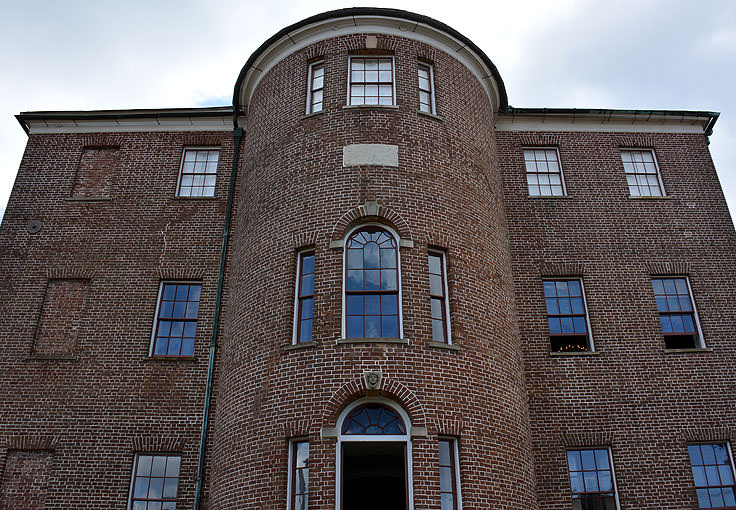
304, 297
374, 461
371, 81
543, 172
299, 475
642, 173
567, 316
713, 473
315, 87
176, 319
155, 482
449, 475
372, 284
426, 89
677, 313
198, 173
438, 297
592, 480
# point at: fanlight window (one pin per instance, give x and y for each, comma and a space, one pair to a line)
373, 420
372, 284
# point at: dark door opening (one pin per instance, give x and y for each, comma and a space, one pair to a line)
374, 476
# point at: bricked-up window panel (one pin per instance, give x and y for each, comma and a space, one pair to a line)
371, 81
155, 482
372, 284
25, 480
316, 87
438, 297
713, 473
566, 316
426, 88
676, 313
198, 173
543, 172
448, 475
305, 297
299, 483
96, 170
176, 321
61, 317
591, 479
642, 173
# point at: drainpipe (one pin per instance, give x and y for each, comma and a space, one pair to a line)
237, 138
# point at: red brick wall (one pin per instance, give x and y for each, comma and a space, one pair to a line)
445, 193
110, 399
98, 167
644, 403
61, 316
25, 479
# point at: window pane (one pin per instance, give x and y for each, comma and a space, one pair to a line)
372, 305
390, 325
438, 330
588, 457
446, 479
372, 326
389, 305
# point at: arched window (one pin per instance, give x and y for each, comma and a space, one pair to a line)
374, 457
372, 284
373, 419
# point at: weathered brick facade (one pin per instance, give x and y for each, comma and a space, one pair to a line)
94, 226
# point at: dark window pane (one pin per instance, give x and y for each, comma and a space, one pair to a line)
355, 259
588, 457
552, 307
372, 326
305, 331
355, 279
307, 305
170, 486
390, 325
703, 498
355, 305
389, 304
695, 458
388, 279
307, 285
307, 264
355, 327
372, 280
372, 304
721, 454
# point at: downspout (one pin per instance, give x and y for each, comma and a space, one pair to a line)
237, 139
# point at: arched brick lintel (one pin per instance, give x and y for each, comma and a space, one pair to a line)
367, 212
390, 388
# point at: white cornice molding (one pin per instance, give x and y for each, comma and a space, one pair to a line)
122, 125
331, 28
605, 124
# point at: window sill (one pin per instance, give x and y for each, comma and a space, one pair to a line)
554, 197
370, 107
665, 197
169, 359
313, 114
52, 357
431, 115
303, 345
404, 341
442, 345
688, 350
193, 198
89, 199
574, 353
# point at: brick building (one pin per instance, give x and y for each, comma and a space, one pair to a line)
370, 283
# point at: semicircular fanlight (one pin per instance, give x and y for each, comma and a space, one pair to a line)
373, 419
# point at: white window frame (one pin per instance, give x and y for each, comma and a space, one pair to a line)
701, 338
158, 305
610, 462
393, 80
181, 170
345, 283
398, 438
456, 463
656, 166
443, 256
433, 107
299, 254
559, 165
290, 478
310, 82
585, 306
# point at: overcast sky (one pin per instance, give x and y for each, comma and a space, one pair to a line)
644, 54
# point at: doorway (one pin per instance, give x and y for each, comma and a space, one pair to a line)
374, 476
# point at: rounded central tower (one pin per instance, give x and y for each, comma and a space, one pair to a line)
370, 338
